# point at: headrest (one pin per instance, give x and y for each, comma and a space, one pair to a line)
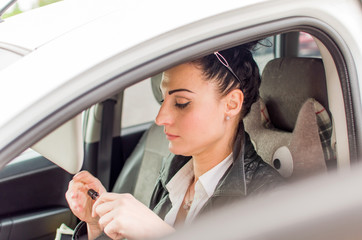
155, 82
287, 83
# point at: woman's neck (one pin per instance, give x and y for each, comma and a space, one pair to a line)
205, 161
215, 153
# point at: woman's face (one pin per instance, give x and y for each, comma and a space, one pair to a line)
192, 113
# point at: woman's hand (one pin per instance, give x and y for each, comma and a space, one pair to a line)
123, 216
81, 203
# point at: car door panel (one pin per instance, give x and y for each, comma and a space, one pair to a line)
35, 225
34, 204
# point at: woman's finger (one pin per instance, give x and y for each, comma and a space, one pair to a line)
89, 181
104, 204
85, 177
102, 207
106, 219
74, 190
113, 230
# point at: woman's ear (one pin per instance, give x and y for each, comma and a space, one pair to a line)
234, 102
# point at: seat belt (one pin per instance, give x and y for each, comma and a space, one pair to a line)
105, 143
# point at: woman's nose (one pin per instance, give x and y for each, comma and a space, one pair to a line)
163, 117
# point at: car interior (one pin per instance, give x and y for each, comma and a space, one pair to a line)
299, 127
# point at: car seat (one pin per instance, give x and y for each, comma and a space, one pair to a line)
141, 169
290, 125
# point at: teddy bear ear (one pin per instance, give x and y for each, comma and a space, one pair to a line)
310, 145
311, 140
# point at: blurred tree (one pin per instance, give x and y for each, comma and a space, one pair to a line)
46, 2
17, 10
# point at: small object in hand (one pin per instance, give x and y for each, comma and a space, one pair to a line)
93, 194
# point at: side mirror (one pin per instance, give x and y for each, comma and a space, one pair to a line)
64, 146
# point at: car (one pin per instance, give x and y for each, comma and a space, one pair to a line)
76, 93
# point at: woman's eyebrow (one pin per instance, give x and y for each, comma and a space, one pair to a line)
179, 90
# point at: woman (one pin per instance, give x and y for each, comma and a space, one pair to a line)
214, 163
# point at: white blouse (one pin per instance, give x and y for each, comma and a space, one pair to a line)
204, 188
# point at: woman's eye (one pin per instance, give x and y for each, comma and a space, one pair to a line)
182, 105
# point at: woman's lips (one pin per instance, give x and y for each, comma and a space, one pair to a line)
171, 137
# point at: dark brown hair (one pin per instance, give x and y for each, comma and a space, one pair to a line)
244, 66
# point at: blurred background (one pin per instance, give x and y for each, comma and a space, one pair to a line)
24, 5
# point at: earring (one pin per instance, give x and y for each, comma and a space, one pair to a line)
227, 118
